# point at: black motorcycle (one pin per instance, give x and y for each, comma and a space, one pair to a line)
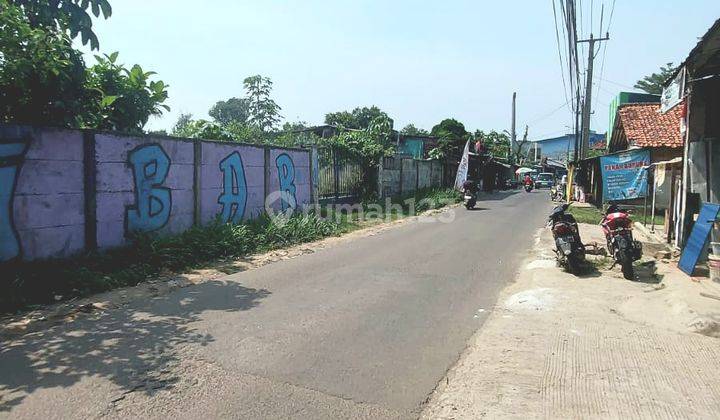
569, 249
470, 199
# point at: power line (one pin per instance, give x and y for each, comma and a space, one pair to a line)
549, 114
557, 38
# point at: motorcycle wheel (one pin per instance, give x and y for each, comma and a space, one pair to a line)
627, 268
573, 265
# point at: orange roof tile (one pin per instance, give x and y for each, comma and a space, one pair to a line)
645, 126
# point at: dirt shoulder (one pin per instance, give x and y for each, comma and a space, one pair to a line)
591, 346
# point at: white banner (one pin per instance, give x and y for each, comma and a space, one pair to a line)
673, 94
462, 172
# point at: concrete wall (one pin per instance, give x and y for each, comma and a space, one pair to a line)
67, 191
399, 176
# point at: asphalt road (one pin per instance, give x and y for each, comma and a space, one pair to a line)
366, 328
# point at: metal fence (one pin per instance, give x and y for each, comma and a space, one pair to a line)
340, 177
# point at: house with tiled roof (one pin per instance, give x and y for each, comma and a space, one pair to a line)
642, 125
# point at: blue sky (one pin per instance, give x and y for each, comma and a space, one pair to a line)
418, 61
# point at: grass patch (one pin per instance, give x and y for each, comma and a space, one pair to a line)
28, 285
589, 215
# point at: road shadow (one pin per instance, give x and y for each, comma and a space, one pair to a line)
646, 272
478, 209
588, 270
132, 346
497, 195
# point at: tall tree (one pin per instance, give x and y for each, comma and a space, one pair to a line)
654, 82
264, 112
411, 130
236, 110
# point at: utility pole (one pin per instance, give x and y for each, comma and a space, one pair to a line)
512, 130
587, 104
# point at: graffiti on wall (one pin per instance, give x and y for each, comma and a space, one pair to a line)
12, 154
234, 192
151, 211
286, 175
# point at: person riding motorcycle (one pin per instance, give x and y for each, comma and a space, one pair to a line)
470, 187
528, 180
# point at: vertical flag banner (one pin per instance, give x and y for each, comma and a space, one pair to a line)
623, 175
462, 172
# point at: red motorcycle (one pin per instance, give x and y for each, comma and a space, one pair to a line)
617, 227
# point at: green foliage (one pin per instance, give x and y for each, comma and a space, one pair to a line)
182, 126
43, 80
27, 284
367, 146
411, 130
124, 99
497, 144
234, 110
42, 77
358, 119
452, 137
589, 215
451, 129
295, 134
654, 82
66, 15
264, 112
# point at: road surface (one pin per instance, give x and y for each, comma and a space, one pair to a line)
363, 329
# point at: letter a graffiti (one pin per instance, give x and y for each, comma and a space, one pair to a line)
11, 157
286, 174
234, 195
151, 211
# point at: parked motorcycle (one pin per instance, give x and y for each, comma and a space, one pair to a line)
556, 193
569, 249
617, 227
470, 200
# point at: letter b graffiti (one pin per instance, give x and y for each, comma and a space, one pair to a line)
286, 175
150, 165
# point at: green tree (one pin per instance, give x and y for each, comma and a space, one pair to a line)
124, 98
411, 130
654, 82
42, 77
452, 137
233, 110
359, 118
496, 143
181, 127
66, 15
264, 112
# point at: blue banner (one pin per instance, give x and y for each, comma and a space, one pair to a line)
623, 176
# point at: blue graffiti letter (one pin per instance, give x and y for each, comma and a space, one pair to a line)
150, 165
11, 158
286, 174
234, 195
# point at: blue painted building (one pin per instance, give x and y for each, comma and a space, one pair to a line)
558, 148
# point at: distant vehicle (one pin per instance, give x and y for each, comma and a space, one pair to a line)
545, 180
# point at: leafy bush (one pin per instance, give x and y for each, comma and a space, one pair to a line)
123, 99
